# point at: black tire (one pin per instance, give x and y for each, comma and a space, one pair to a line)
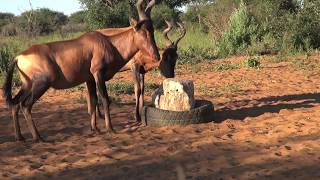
202, 113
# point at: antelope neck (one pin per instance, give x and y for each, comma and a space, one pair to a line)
124, 43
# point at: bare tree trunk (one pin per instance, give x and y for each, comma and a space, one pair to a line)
31, 21
197, 5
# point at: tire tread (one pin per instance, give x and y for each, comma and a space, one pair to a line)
202, 113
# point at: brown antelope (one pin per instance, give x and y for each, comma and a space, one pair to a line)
92, 58
140, 64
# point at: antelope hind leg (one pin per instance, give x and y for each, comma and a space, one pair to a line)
39, 87
101, 86
22, 94
15, 115
92, 104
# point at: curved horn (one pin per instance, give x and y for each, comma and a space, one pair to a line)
149, 8
165, 33
184, 31
141, 12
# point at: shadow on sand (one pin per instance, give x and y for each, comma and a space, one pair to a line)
266, 105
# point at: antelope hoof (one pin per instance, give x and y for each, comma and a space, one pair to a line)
100, 115
38, 140
96, 131
111, 131
138, 119
20, 138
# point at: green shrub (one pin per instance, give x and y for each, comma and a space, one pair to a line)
7, 53
218, 15
267, 45
5, 18
161, 13
188, 56
98, 15
251, 62
193, 48
71, 28
43, 21
240, 33
76, 17
278, 58
305, 27
194, 55
9, 30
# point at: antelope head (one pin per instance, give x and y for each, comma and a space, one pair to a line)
169, 53
144, 32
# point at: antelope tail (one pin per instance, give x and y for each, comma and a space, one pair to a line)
7, 86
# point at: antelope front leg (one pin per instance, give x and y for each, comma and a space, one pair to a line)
141, 97
101, 86
98, 112
137, 92
92, 103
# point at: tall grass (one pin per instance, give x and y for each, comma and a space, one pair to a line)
194, 37
194, 47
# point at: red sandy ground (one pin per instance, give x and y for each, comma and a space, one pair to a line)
268, 128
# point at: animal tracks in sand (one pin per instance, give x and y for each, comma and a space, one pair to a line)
269, 132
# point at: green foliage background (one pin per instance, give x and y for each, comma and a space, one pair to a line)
215, 28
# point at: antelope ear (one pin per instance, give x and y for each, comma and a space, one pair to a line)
133, 23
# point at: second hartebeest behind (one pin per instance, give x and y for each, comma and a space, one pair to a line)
92, 58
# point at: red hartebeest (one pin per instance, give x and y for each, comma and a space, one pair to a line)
92, 58
140, 64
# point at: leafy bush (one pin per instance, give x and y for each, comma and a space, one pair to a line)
7, 53
217, 16
190, 15
293, 26
305, 27
71, 28
194, 55
251, 62
161, 13
9, 30
98, 15
40, 21
268, 44
193, 48
240, 33
76, 17
5, 18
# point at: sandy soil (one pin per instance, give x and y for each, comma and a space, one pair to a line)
267, 126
